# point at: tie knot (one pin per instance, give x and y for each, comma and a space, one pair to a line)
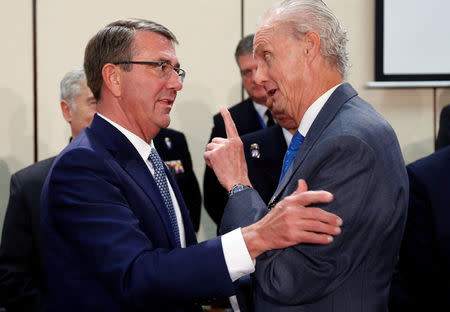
296, 141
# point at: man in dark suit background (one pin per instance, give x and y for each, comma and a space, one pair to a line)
418, 282
343, 146
21, 281
173, 149
425, 252
443, 137
117, 235
249, 115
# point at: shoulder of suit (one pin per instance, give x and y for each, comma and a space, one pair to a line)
445, 113
170, 133
436, 160
40, 168
265, 133
236, 109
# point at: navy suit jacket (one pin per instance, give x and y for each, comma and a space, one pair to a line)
425, 253
246, 120
352, 152
173, 149
21, 281
107, 239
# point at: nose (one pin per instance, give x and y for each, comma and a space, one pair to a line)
260, 76
174, 81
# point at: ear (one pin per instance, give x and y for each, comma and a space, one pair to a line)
111, 78
312, 44
66, 111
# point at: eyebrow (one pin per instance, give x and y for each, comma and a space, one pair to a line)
258, 47
165, 60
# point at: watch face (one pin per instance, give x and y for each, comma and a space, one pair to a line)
237, 188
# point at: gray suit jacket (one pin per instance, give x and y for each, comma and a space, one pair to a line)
352, 152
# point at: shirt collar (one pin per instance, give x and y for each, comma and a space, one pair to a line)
142, 147
312, 112
287, 136
261, 109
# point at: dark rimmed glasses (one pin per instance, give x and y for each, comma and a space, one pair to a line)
164, 68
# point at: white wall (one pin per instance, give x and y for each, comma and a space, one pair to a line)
208, 31
16, 94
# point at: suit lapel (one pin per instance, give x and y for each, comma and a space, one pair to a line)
326, 115
128, 158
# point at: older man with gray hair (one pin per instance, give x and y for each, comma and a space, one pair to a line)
78, 104
21, 281
342, 146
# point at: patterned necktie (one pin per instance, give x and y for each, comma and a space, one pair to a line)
270, 121
161, 182
292, 150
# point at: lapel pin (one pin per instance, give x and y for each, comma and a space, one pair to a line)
168, 142
254, 150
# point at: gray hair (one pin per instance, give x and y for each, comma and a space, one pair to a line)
306, 15
245, 46
71, 85
114, 43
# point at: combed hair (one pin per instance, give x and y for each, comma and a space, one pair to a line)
71, 86
245, 46
306, 15
114, 43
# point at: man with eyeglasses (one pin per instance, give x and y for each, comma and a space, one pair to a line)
115, 230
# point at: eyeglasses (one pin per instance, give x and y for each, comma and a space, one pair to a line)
164, 68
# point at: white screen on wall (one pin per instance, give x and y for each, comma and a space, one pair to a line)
416, 37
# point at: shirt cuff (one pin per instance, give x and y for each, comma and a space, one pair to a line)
237, 258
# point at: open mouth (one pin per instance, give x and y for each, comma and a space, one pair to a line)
168, 101
271, 92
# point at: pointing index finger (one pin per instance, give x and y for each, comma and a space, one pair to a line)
230, 127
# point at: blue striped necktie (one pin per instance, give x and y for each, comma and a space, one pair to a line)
292, 150
161, 182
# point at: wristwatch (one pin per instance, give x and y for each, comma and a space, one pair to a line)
237, 188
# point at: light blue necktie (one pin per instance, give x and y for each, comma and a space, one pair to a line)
161, 182
292, 150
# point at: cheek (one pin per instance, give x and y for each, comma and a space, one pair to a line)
246, 82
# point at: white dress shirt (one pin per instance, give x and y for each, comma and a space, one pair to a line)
261, 110
312, 112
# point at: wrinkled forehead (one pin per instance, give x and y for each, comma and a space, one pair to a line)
263, 36
266, 32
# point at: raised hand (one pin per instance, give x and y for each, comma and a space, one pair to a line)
226, 156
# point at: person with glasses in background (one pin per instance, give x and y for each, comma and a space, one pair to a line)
115, 230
